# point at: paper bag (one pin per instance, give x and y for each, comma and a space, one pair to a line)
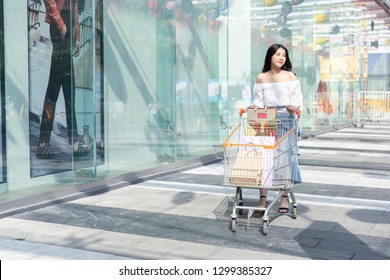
266, 154
247, 168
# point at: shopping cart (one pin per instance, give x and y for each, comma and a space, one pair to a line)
261, 152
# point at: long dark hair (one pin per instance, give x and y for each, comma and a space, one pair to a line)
268, 57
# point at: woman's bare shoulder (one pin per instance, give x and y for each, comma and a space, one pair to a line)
262, 78
291, 76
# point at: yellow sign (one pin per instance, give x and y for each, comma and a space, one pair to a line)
269, 3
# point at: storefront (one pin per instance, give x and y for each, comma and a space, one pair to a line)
134, 85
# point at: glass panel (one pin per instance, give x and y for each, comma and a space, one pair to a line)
65, 115
218, 87
379, 69
2, 103
88, 146
191, 75
99, 87
201, 79
303, 58
164, 14
135, 118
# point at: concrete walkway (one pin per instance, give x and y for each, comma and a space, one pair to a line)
343, 213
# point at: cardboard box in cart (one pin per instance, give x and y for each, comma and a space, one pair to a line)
262, 122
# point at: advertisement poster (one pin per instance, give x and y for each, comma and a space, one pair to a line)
2, 95
65, 87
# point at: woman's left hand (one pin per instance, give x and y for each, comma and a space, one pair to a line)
292, 108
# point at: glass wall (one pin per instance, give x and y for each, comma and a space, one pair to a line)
53, 92
106, 88
164, 81
2, 96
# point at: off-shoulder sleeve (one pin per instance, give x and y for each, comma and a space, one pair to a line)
259, 96
296, 93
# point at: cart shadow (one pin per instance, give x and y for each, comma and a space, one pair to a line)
224, 210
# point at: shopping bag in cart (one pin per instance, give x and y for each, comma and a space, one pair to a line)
247, 168
267, 149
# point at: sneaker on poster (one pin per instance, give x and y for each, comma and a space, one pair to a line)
44, 151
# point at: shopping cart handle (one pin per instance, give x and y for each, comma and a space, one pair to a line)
298, 111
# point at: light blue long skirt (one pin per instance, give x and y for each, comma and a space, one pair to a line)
286, 123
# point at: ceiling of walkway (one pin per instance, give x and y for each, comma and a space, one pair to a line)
368, 19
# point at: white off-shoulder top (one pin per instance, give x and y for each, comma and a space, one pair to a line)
278, 94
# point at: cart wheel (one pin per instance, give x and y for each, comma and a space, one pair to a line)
294, 212
233, 225
265, 228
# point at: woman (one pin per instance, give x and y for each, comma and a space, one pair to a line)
278, 86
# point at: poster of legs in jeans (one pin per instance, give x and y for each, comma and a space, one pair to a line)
65, 101
2, 96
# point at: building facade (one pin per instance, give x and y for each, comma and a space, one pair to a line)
95, 89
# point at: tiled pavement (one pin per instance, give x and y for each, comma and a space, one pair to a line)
344, 213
